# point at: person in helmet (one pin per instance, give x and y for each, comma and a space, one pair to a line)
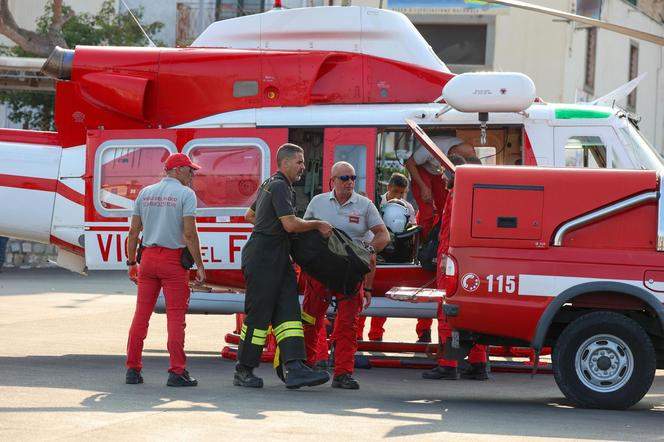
397, 188
397, 213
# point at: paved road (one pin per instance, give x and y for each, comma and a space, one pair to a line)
62, 373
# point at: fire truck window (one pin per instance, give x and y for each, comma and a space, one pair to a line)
126, 170
585, 151
245, 88
357, 156
229, 175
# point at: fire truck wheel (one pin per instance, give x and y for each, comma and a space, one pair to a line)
604, 360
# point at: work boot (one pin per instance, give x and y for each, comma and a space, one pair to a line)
346, 382
299, 375
181, 380
440, 372
478, 371
133, 376
425, 337
376, 339
244, 377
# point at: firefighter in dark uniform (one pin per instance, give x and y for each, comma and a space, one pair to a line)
271, 285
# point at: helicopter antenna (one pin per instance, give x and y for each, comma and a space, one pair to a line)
151, 43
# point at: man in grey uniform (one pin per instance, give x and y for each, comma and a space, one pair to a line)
165, 212
356, 215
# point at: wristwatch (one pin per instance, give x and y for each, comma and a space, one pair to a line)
130, 263
370, 249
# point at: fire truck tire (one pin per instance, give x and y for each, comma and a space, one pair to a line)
604, 360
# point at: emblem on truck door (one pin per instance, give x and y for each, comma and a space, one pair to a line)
470, 282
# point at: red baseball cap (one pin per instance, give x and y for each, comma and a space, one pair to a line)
179, 160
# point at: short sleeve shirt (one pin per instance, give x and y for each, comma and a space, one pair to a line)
162, 207
275, 199
356, 217
424, 158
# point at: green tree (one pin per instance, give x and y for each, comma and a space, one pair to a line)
34, 110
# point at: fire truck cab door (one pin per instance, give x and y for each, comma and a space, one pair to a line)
234, 162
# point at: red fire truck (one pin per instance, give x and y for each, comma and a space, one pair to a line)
563, 258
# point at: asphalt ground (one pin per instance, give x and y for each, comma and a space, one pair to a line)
62, 377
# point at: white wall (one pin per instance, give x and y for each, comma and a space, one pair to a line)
612, 66
536, 45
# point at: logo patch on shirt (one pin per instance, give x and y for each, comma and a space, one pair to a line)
354, 219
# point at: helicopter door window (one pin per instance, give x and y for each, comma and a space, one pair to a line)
357, 156
585, 151
231, 172
123, 168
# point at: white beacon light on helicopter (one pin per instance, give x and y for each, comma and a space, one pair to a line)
490, 92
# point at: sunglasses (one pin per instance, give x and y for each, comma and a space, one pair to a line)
347, 177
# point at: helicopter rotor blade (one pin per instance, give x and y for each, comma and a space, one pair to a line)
652, 38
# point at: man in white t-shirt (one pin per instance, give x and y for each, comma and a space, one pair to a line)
427, 176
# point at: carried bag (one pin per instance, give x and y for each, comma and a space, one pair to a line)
336, 262
428, 253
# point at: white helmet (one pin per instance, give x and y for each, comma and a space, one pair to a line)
395, 216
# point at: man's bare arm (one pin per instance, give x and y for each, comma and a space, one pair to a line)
381, 237
132, 239
190, 234
250, 216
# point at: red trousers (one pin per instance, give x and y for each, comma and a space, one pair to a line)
378, 327
425, 211
477, 352
160, 268
344, 334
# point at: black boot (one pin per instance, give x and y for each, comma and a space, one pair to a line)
425, 337
244, 377
298, 374
346, 382
439, 372
133, 376
478, 372
181, 380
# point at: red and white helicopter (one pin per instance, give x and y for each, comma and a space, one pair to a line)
339, 81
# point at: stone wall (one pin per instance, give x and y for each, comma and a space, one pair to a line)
27, 255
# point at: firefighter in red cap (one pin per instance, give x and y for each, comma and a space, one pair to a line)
356, 215
165, 212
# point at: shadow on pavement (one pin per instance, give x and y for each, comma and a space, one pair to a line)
416, 406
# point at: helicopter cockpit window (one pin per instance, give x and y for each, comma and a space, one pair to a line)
231, 171
123, 168
585, 151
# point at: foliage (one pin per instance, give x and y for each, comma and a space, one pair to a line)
35, 110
